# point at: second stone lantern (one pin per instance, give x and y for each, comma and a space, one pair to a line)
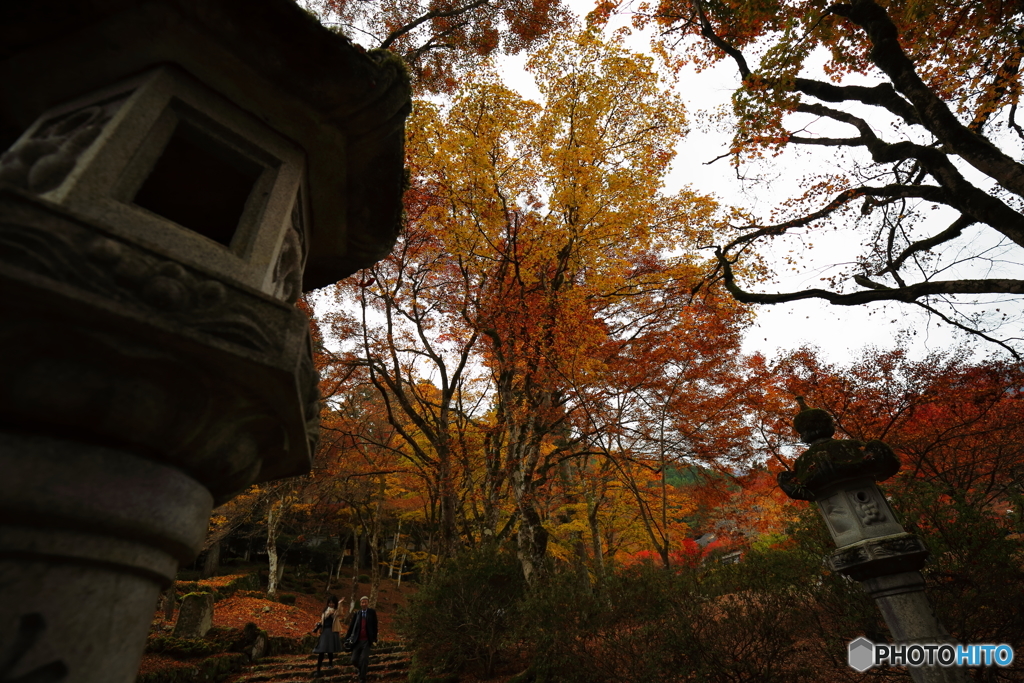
174, 174
873, 548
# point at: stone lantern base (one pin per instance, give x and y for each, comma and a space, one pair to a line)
89, 536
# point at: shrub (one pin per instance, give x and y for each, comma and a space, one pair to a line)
714, 623
286, 598
476, 596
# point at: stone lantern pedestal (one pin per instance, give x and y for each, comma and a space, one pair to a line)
873, 548
175, 174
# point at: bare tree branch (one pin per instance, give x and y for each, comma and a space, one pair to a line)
907, 294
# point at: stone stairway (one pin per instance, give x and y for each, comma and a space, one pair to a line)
389, 661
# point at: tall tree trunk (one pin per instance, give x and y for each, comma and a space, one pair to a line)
378, 523
394, 550
335, 575
401, 566
355, 571
579, 548
595, 539
273, 522
532, 542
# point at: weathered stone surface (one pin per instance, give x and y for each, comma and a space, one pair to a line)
900, 552
88, 537
195, 616
162, 160
118, 343
172, 174
343, 106
839, 476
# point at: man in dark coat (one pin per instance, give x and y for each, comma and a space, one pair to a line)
362, 633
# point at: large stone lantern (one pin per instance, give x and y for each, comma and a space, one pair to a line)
873, 548
176, 173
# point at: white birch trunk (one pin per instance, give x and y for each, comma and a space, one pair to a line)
273, 520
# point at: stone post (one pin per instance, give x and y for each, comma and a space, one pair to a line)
176, 173
873, 548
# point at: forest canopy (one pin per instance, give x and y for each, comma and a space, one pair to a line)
539, 407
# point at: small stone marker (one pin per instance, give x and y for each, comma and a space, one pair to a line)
195, 617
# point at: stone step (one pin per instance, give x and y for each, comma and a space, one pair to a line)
380, 649
326, 676
269, 663
388, 663
331, 674
259, 670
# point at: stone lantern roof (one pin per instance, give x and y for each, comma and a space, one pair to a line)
343, 106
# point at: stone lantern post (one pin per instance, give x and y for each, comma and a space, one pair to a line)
173, 174
874, 549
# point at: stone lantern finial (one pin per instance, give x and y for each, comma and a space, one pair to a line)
813, 424
829, 461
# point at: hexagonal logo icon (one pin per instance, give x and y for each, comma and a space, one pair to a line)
861, 654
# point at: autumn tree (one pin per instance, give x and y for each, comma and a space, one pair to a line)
542, 278
409, 345
908, 113
441, 39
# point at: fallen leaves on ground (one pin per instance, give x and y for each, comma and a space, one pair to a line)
273, 617
154, 662
220, 581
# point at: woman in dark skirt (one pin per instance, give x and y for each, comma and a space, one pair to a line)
330, 640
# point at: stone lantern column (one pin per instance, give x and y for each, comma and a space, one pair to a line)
873, 548
173, 174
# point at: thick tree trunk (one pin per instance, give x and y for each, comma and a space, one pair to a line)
532, 542
364, 550
212, 562
532, 537
576, 542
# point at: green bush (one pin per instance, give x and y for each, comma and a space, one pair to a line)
476, 596
975, 575
286, 598
712, 623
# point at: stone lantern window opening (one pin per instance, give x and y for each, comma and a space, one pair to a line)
168, 163
201, 184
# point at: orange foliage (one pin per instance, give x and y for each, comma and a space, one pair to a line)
957, 425
441, 40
